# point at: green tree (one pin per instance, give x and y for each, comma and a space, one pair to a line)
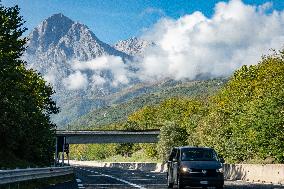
25, 100
171, 135
245, 120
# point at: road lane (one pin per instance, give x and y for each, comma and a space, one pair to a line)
118, 178
109, 178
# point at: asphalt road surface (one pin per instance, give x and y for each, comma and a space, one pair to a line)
109, 178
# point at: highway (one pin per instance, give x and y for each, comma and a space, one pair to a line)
109, 178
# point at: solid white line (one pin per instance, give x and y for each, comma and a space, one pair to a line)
124, 181
141, 179
105, 184
121, 180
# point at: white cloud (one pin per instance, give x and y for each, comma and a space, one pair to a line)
98, 80
194, 45
76, 81
50, 77
114, 64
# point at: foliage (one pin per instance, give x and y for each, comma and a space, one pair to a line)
245, 120
25, 100
92, 151
171, 135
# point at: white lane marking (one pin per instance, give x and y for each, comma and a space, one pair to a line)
124, 181
96, 172
80, 186
141, 179
153, 176
105, 184
121, 180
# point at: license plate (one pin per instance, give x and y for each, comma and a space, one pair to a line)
203, 182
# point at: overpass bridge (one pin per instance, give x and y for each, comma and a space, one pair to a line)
88, 137
66, 137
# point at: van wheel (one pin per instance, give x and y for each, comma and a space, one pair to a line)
170, 184
179, 183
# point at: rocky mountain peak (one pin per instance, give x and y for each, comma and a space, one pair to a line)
53, 47
60, 38
49, 32
133, 46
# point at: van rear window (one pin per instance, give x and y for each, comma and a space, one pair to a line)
198, 154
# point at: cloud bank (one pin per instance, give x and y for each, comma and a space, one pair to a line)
194, 45
96, 67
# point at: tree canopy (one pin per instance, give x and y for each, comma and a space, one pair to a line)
26, 132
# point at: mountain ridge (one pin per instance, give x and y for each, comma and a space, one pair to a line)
53, 47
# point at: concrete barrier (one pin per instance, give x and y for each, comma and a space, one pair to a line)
269, 173
143, 166
266, 173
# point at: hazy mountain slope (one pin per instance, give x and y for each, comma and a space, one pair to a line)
126, 103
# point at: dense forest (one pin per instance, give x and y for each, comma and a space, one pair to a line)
243, 121
26, 132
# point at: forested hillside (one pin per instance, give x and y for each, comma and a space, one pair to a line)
130, 100
243, 121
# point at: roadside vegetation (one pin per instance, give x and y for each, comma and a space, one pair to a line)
26, 133
243, 121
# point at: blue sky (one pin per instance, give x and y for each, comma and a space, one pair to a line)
114, 20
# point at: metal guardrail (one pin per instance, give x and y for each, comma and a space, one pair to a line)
18, 175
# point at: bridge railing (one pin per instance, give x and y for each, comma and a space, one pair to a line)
19, 175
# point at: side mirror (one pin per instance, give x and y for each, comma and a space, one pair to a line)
222, 160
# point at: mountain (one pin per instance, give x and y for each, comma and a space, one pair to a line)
53, 47
58, 45
133, 46
63, 39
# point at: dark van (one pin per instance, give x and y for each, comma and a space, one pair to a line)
196, 167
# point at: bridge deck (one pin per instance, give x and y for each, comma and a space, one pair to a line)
87, 137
